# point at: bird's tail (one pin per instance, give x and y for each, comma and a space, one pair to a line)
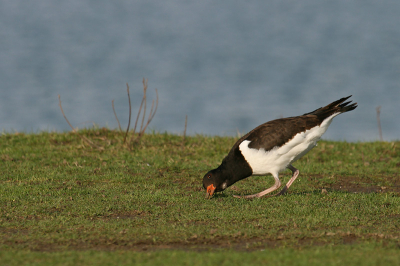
339, 106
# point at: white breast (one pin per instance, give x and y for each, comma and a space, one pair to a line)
277, 159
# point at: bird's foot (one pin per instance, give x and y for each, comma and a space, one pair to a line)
247, 196
282, 192
262, 193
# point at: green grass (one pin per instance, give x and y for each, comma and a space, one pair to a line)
63, 201
362, 255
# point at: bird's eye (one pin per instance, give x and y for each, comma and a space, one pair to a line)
209, 176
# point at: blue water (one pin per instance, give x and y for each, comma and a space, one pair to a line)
228, 65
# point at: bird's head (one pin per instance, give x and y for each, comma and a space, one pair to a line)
214, 181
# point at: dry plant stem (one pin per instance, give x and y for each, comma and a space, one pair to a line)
62, 111
155, 110
140, 108
145, 102
137, 117
151, 115
184, 132
143, 105
378, 113
130, 112
119, 125
73, 129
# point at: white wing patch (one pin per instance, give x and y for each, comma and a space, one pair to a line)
277, 159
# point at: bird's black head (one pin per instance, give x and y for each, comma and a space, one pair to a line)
214, 181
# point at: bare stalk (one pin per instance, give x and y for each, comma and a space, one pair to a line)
151, 115
73, 129
62, 111
184, 132
145, 102
119, 125
140, 115
130, 112
137, 117
378, 113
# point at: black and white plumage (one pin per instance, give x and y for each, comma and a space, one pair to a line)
273, 147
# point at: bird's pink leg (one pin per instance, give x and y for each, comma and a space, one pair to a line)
286, 187
265, 192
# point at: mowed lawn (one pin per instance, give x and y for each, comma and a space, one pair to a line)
63, 201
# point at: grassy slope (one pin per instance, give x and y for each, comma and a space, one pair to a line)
58, 194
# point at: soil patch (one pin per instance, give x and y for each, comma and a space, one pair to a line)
355, 184
199, 244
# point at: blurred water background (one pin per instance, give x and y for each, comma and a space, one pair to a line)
228, 65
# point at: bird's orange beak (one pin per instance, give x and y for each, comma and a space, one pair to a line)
210, 191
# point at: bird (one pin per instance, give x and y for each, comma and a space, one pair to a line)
272, 147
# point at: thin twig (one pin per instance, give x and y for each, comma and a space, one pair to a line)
143, 105
239, 135
378, 113
137, 117
152, 114
73, 129
142, 130
62, 111
156, 106
119, 125
184, 132
145, 102
130, 112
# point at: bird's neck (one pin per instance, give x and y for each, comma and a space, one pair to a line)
235, 170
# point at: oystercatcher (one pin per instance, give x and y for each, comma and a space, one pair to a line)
272, 147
